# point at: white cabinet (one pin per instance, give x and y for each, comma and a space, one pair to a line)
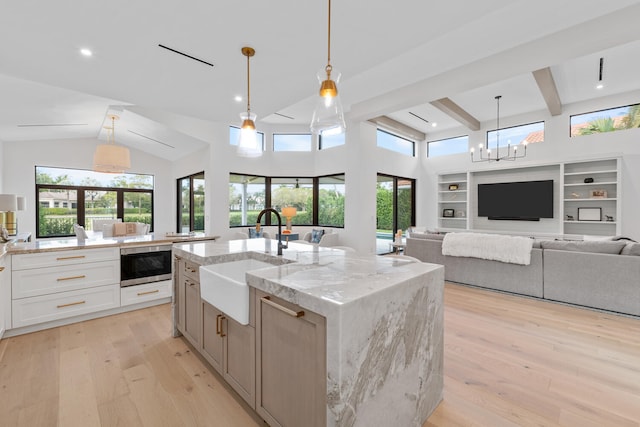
592, 197
5, 293
54, 285
453, 192
143, 293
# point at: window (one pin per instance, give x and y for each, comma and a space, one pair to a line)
531, 133
609, 120
295, 192
395, 143
331, 194
246, 199
68, 196
395, 208
234, 134
292, 142
318, 201
444, 147
191, 203
329, 141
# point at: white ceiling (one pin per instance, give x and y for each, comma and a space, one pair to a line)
394, 58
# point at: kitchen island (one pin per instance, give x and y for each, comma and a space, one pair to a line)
377, 323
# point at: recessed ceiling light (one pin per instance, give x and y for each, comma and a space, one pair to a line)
86, 52
238, 98
434, 124
599, 86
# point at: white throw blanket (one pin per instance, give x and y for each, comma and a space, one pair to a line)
511, 249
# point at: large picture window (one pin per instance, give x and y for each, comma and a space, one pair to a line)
191, 203
68, 196
318, 200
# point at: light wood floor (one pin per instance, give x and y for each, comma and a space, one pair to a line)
509, 361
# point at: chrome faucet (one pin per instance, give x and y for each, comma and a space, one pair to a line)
262, 212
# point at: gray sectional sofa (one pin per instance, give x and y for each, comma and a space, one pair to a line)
598, 274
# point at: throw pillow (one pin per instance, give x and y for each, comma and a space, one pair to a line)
316, 235
254, 234
631, 249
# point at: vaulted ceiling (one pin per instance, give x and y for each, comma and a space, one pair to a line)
396, 59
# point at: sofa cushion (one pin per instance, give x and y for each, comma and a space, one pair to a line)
631, 249
601, 247
316, 235
430, 236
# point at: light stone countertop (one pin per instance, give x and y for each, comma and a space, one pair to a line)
97, 241
384, 323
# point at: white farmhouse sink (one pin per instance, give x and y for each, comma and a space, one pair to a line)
224, 286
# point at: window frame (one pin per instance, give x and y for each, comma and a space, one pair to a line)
191, 178
447, 139
599, 111
413, 143
486, 139
278, 134
268, 195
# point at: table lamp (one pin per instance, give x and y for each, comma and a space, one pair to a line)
8, 206
289, 212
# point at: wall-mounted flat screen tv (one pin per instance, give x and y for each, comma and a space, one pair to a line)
524, 201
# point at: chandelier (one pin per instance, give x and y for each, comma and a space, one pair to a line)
110, 157
511, 153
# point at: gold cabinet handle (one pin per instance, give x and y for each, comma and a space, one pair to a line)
189, 282
267, 300
189, 269
63, 258
71, 303
155, 291
62, 279
1, 268
219, 325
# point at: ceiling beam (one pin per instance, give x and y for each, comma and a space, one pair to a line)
548, 89
453, 110
398, 128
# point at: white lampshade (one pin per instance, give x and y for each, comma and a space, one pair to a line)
22, 203
111, 158
8, 203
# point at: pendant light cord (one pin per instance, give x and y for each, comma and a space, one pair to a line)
248, 88
328, 68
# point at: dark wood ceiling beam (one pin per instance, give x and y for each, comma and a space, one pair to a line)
453, 110
548, 89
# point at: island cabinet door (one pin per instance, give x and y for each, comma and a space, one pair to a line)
192, 307
291, 364
212, 340
240, 358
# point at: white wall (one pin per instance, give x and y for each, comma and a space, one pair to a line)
20, 159
557, 147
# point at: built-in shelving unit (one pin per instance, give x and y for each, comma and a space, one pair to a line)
453, 193
591, 198
583, 208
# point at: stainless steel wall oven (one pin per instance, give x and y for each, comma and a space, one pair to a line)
145, 264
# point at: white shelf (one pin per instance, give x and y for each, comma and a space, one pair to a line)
591, 184
453, 201
590, 173
592, 199
457, 181
452, 191
455, 218
591, 222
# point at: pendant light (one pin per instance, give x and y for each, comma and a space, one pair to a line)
328, 116
512, 151
248, 143
109, 157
